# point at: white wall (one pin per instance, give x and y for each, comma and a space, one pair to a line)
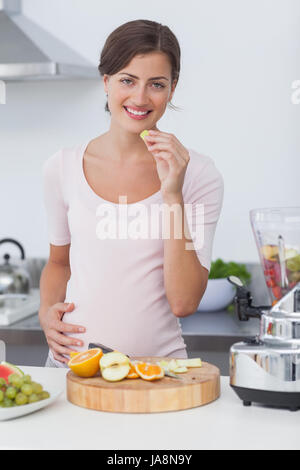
239, 59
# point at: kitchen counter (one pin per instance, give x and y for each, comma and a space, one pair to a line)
222, 424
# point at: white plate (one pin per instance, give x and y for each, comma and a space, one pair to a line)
51, 386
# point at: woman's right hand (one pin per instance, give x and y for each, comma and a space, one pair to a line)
54, 329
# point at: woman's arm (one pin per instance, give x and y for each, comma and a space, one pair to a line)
184, 277
53, 285
54, 277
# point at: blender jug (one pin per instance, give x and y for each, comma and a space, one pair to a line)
277, 236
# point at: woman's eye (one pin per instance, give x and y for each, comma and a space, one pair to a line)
155, 83
160, 85
125, 80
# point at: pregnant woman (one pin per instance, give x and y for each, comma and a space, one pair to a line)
131, 219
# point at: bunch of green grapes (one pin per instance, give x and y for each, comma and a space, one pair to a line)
20, 390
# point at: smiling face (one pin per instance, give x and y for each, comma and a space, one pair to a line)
143, 85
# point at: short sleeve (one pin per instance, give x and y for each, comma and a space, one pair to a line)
55, 204
205, 200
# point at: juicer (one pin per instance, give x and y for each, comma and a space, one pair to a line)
265, 369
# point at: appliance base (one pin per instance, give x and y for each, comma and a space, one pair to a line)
289, 400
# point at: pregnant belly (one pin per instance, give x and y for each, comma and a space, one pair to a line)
135, 332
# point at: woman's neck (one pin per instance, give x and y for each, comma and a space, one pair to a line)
126, 147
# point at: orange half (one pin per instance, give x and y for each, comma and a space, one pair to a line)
86, 363
74, 353
148, 371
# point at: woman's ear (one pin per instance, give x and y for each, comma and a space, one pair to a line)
172, 89
105, 82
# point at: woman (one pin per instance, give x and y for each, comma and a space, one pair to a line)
128, 291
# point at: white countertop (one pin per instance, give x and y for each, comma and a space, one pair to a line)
223, 424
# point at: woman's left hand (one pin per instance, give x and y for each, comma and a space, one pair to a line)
171, 159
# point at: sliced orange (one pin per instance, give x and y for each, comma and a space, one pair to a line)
86, 363
132, 373
74, 353
148, 371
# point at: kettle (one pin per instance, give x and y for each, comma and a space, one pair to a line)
13, 279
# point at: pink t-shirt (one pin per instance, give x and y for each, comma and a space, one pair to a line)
117, 282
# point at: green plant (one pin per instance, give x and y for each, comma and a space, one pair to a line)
220, 269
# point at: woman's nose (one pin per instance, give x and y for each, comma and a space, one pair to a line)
140, 97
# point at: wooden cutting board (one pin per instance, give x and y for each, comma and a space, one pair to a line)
197, 387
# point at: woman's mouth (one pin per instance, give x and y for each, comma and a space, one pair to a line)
138, 116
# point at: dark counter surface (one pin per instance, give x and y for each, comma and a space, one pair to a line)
208, 335
221, 323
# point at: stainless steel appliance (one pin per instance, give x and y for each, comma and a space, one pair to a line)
14, 279
266, 369
17, 299
16, 307
29, 52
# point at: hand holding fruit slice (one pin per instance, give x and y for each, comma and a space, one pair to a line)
144, 133
114, 366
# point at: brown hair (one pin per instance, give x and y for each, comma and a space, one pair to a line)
139, 37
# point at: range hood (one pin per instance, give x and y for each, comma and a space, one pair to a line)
28, 52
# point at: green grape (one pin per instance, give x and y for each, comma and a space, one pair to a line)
12, 377
44, 395
11, 392
7, 402
33, 398
1, 396
2, 382
26, 389
22, 380
16, 381
21, 399
26, 379
36, 387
